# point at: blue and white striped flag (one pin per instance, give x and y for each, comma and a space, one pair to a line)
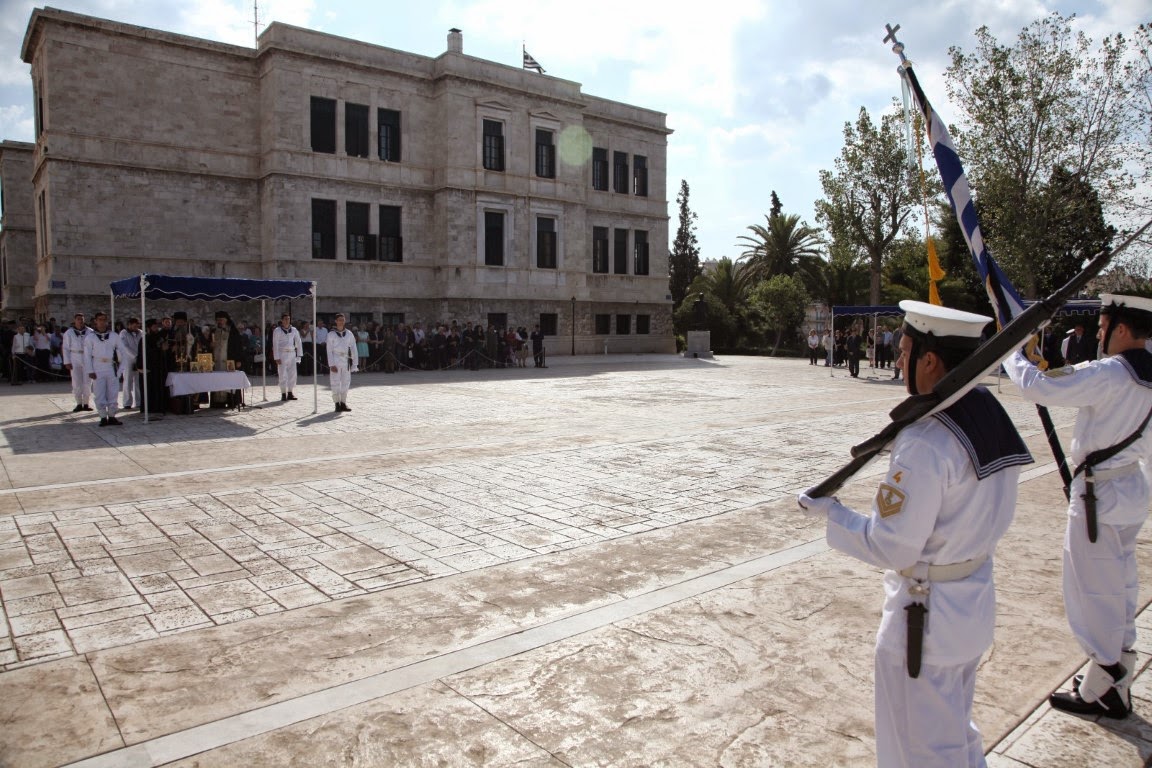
531, 63
1005, 300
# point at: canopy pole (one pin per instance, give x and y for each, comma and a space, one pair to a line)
144, 349
111, 309
831, 351
264, 347
315, 363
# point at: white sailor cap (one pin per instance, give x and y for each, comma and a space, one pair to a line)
1139, 303
948, 327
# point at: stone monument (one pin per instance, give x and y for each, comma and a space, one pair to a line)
699, 341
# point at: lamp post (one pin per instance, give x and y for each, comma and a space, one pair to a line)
573, 326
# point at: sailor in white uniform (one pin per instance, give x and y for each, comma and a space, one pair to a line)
1108, 501
948, 497
342, 363
287, 351
72, 354
100, 348
128, 350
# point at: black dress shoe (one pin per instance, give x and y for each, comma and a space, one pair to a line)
78, 408
283, 396
87, 408
114, 422
1109, 705
338, 408
290, 396
344, 407
103, 422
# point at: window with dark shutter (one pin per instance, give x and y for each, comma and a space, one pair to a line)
361, 245
493, 145
494, 238
620, 172
640, 252
640, 175
600, 250
600, 169
356, 130
546, 243
323, 125
603, 325
388, 138
620, 252
391, 243
545, 155
323, 229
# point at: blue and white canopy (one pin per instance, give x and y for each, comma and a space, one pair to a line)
210, 288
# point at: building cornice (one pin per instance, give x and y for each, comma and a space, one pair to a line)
43, 16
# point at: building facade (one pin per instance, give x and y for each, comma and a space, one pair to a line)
17, 230
411, 189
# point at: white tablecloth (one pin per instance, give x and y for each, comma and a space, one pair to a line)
214, 381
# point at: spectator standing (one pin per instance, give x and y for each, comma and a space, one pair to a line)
21, 355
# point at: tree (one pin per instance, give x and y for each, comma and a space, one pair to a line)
776, 208
684, 260
786, 246
870, 196
1051, 101
725, 294
780, 301
1074, 228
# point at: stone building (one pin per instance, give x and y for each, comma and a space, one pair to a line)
17, 230
409, 188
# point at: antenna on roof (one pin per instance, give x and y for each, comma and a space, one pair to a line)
256, 22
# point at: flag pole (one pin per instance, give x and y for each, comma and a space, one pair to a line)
1006, 303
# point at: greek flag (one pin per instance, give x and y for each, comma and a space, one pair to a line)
531, 63
1005, 300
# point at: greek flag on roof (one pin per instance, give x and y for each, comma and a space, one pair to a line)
531, 63
1005, 300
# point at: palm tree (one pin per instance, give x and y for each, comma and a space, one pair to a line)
786, 246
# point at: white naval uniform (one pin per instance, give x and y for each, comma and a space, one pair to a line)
1100, 580
100, 358
287, 351
343, 357
129, 382
72, 353
947, 516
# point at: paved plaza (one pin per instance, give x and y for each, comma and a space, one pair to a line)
596, 564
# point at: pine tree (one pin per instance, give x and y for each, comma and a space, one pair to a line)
684, 260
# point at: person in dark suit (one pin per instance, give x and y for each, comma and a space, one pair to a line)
1079, 346
537, 339
151, 361
853, 349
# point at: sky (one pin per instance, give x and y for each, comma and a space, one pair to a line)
757, 92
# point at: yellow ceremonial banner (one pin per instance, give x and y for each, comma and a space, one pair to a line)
935, 271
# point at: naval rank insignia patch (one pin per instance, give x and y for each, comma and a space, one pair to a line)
889, 500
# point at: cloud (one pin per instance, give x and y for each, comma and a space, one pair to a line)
16, 124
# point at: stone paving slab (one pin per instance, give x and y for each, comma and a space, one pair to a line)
206, 570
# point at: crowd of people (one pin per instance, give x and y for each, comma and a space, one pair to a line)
51, 351
846, 348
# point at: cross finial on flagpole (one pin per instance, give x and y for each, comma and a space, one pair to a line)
897, 46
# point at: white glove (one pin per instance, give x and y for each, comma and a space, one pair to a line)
816, 507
